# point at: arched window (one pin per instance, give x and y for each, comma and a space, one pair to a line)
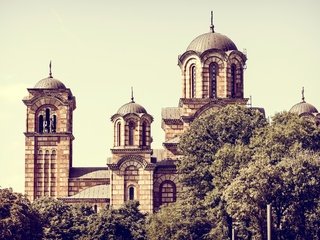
39, 180
144, 134
131, 179
167, 192
53, 176
47, 120
118, 134
131, 133
233, 80
213, 73
53, 159
40, 125
46, 173
53, 123
193, 81
131, 193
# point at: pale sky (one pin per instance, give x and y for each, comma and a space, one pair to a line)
100, 48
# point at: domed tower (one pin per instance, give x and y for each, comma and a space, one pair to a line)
48, 145
131, 166
212, 70
304, 109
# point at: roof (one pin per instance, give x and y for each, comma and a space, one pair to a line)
174, 140
50, 83
90, 172
303, 108
99, 191
131, 107
171, 113
211, 40
167, 162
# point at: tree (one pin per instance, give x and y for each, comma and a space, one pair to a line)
290, 186
232, 157
17, 218
215, 148
61, 220
286, 131
228, 125
126, 222
185, 219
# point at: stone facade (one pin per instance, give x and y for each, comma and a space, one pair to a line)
212, 76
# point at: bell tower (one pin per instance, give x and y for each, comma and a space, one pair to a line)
212, 73
131, 166
48, 138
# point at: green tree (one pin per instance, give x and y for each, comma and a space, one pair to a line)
292, 188
61, 220
286, 131
126, 222
17, 218
228, 125
236, 143
215, 148
185, 219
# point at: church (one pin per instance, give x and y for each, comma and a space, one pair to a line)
212, 76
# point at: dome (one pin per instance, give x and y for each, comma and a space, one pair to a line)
303, 107
131, 107
50, 83
211, 40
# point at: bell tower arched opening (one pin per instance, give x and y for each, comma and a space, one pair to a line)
213, 73
193, 81
233, 80
47, 120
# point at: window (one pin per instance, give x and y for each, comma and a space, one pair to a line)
40, 128
118, 134
131, 133
144, 134
53, 168
53, 123
46, 167
213, 72
131, 179
193, 81
47, 121
168, 192
233, 80
131, 193
53, 159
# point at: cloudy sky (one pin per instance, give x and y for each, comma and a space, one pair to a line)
100, 48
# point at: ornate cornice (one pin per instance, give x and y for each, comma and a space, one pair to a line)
34, 134
130, 150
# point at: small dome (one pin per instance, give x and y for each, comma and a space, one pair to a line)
50, 83
131, 107
303, 107
211, 40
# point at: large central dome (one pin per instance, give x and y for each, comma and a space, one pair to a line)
211, 40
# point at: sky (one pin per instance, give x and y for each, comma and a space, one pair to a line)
100, 49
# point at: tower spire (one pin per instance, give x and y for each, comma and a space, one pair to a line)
212, 26
132, 98
50, 73
302, 93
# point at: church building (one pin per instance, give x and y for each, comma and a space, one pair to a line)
212, 76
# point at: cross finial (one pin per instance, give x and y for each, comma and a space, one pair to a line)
302, 92
132, 98
212, 26
50, 73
